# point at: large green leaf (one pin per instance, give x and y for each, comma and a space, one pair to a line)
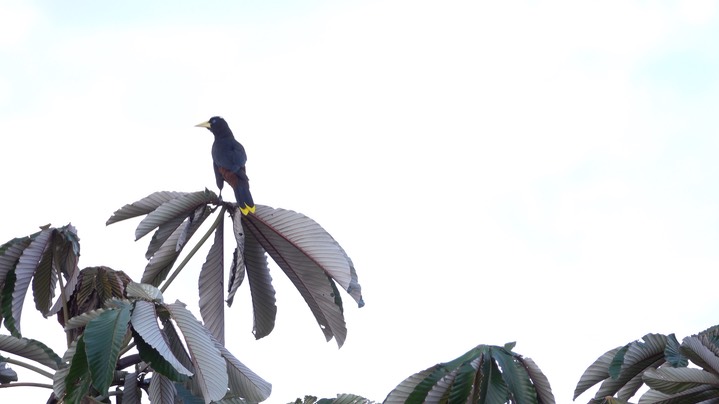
78, 380
162, 261
307, 257
158, 363
210, 367
103, 338
181, 206
30, 349
211, 287
144, 322
516, 376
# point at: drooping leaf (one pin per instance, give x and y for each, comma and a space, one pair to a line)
699, 394
676, 380
24, 271
65, 246
10, 253
616, 365
243, 382
162, 390
698, 349
144, 322
307, 257
78, 379
83, 319
307, 241
237, 269
516, 377
30, 349
103, 339
264, 307
158, 363
161, 263
596, 372
144, 291
539, 380
401, 393
640, 356
43, 282
210, 367
211, 287
163, 232
181, 206
131, 391
143, 206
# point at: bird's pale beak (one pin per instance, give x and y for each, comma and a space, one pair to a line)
204, 125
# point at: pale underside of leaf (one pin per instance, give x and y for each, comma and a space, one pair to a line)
210, 366
143, 291
243, 381
264, 307
144, 322
312, 241
170, 210
131, 392
83, 319
675, 380
58, 385
702, 354
596, 372
161, 263
211, 287
699, 394
143, 206
401, 393
162, 390
10, 253
24, 272
30, 349
237, 270
309, 278
540, 381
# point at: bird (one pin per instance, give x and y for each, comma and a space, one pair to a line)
228, 161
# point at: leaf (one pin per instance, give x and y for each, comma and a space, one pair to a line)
308, 241
83, 319
162, 234
401, 393
596, 372
78, 379
516, 377
210, 367
676, 380
211, 288
639, 357
162, 390
131, 392
539, 380
161, 263
144, 322
143, 291
697, 350
699, 394
24, 271
103, 339
172, 209
158, 363
264, 307
237, 270
306, 256
30, 349
616, 365
143, 206
243, 381
673, 354
10, 253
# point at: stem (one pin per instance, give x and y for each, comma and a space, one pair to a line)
194, 250
26, 384
28, 366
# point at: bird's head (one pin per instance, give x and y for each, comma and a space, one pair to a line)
217, 126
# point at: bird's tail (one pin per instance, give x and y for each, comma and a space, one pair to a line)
244, 200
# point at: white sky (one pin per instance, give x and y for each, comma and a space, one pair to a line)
539, 172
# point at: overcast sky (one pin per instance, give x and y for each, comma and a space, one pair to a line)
539, 172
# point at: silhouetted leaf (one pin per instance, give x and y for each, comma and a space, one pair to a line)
211, 288
143, 206
181, 206
264, 308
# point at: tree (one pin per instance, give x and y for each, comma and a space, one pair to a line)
123, 334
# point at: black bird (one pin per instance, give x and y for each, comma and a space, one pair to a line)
228, 160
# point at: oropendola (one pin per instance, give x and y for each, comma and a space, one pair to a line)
228, 160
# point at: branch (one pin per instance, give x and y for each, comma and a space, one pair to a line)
28, 366
26, 384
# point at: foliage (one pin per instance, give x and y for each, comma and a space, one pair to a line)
660, 363
484, 374
123, 334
